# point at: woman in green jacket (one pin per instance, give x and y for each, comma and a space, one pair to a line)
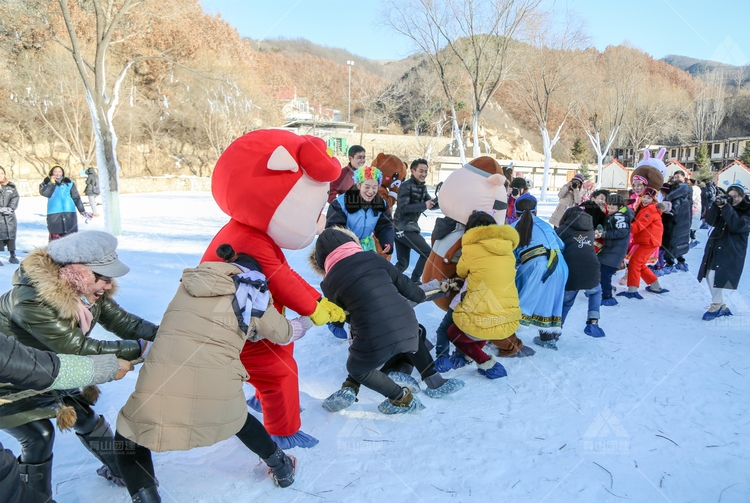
59, 294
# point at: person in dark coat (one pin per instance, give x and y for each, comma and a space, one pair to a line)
724, 255
576, 230
681, 197
92, 189
63, 201
708, 194
616, 237
59, 294
413, 199
8, 224
383, 323
32, 369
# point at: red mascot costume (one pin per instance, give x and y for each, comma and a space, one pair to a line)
274, 185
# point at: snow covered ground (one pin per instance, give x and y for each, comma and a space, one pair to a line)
656, 411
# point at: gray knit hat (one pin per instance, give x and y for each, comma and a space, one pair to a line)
94, 249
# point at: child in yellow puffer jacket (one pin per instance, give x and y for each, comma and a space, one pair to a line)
489, 309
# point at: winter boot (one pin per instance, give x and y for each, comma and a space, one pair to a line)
100, 442
547, 339
281, 468
405, 380
13, 259
38, 477
147, 495
492, 369
343, 398
609, 301
405, 403
438, 387
593, 329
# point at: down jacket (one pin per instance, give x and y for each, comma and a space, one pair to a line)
40, 312
567, 197
489, 308
362, 218
727, 244
8, 199
189, 390
412, 199
63, 202
647, 227
577, 233
616, 238
375, 294
681, 197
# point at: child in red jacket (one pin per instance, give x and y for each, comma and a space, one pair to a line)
647, 232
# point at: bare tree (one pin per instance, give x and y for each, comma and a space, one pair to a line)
709, 107
618, 71
547, 82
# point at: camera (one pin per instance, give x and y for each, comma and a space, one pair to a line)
575, 184
514, 192
722, 199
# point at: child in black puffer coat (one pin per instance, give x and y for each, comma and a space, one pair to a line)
576, 230
616, 240
383, 324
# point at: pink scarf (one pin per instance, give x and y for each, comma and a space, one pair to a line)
84, 316
343, 251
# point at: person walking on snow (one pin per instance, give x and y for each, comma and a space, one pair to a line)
8, 224
577, 234
92, 189
724, 257
647, 230
413, 199
63, 201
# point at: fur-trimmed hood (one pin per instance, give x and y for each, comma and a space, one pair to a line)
497, 239
39, 271
328, 241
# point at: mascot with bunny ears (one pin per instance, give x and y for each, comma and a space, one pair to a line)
274, 185
650, 172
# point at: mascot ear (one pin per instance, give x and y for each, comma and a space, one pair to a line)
661, 153
282, 160
496, 179
646, 155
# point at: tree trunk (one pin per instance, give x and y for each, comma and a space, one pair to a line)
459, 138
109, 168
547, 160
475, 132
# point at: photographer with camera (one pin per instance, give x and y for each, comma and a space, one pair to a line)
569, 195
724, 256
518, 187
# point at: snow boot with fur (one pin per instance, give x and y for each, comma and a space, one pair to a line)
281, 467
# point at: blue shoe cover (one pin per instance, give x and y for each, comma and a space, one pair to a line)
299, 439
338, 332
594, 330
524, 352
545, 344
443, 364
725, 311
458, 360
495, 372
630, 295
609, 302
682, 266
405, 380
669, 269
340, 400
450, 386
659, 292
254, 404
388, 408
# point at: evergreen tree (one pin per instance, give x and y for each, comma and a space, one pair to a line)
745, 157
702, 160
584, 170
578, 152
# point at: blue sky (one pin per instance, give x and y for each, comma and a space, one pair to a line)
696, 28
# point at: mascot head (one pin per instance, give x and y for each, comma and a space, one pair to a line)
276, 182
651, 172
394, 173
478, 185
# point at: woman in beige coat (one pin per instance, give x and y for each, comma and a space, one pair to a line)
569, 195
189, 391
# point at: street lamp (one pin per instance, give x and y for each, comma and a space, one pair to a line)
350, 64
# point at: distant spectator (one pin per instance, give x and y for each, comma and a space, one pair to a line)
681, 197
92, 189
8, 224
518, 187
724, 256
63, 203
345, 181
569, 195
708, 194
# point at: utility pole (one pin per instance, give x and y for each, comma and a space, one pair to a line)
350, 64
